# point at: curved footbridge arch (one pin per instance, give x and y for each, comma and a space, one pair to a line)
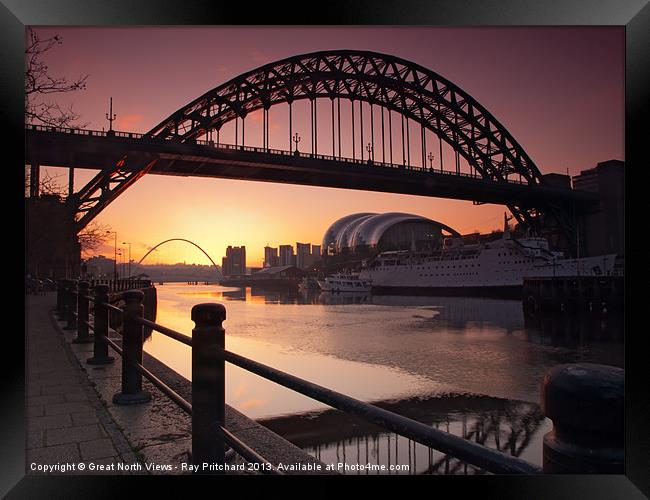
217, 268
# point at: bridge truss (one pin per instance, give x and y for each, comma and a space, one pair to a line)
416, 93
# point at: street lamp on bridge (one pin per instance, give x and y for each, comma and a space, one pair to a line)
110, 116
296, 139
114, 255
369, 148
128, 243
431, 157
122, 254
119, 254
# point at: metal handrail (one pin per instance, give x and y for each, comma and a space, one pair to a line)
237, 444
281, 152
475, 454
184, 339
234, 442
168, 391
248, 453
180, 337
112, 308
113, 345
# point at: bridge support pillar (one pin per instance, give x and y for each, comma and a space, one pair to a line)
71, 181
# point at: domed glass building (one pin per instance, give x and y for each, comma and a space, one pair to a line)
368, 232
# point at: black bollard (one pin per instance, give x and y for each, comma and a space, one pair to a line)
100, 348
82, 314
132, 339
586, 404
71, 306
65, 285
208, 385
59, 299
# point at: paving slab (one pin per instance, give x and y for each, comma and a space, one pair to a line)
66, 421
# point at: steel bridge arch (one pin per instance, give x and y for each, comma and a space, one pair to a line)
388, 81
186, 241
402, 86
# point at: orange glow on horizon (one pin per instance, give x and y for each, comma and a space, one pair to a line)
551, 91
215, 213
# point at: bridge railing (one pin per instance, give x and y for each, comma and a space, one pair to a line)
71, 294
209, 356
585, 401
207, 409
278, 152
120, 284
83, 131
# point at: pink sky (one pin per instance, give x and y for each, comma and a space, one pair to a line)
559, 91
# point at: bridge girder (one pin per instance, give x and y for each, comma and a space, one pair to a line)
378, 79
398, 85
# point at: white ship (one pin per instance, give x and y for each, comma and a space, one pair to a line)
501, 264
345, 283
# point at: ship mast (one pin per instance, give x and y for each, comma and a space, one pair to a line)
506, 227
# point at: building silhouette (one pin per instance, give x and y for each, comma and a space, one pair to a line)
365, 233
234, 263
271, 257
52, 245
287, 257
303, 255
602, 230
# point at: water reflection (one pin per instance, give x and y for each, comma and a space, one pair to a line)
385, 346
336, 299
512, 427
573, 329
456, 312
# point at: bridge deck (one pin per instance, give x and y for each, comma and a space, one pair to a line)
98, 150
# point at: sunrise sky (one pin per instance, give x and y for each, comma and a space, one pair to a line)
559, 91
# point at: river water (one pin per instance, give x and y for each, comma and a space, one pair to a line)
473, 366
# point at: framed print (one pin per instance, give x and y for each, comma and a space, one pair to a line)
384, 241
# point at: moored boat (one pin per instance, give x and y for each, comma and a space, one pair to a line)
342, 282
499, 265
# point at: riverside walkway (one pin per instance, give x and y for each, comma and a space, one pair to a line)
107, 415
66, 421
73, 419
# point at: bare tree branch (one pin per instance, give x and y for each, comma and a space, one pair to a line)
93, 236
39, 82
48, 184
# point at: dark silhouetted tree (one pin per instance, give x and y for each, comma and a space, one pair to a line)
94, 235
39, 84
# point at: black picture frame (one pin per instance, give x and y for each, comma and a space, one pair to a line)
633, 14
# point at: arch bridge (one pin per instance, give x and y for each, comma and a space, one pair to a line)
152, 249
385, 121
